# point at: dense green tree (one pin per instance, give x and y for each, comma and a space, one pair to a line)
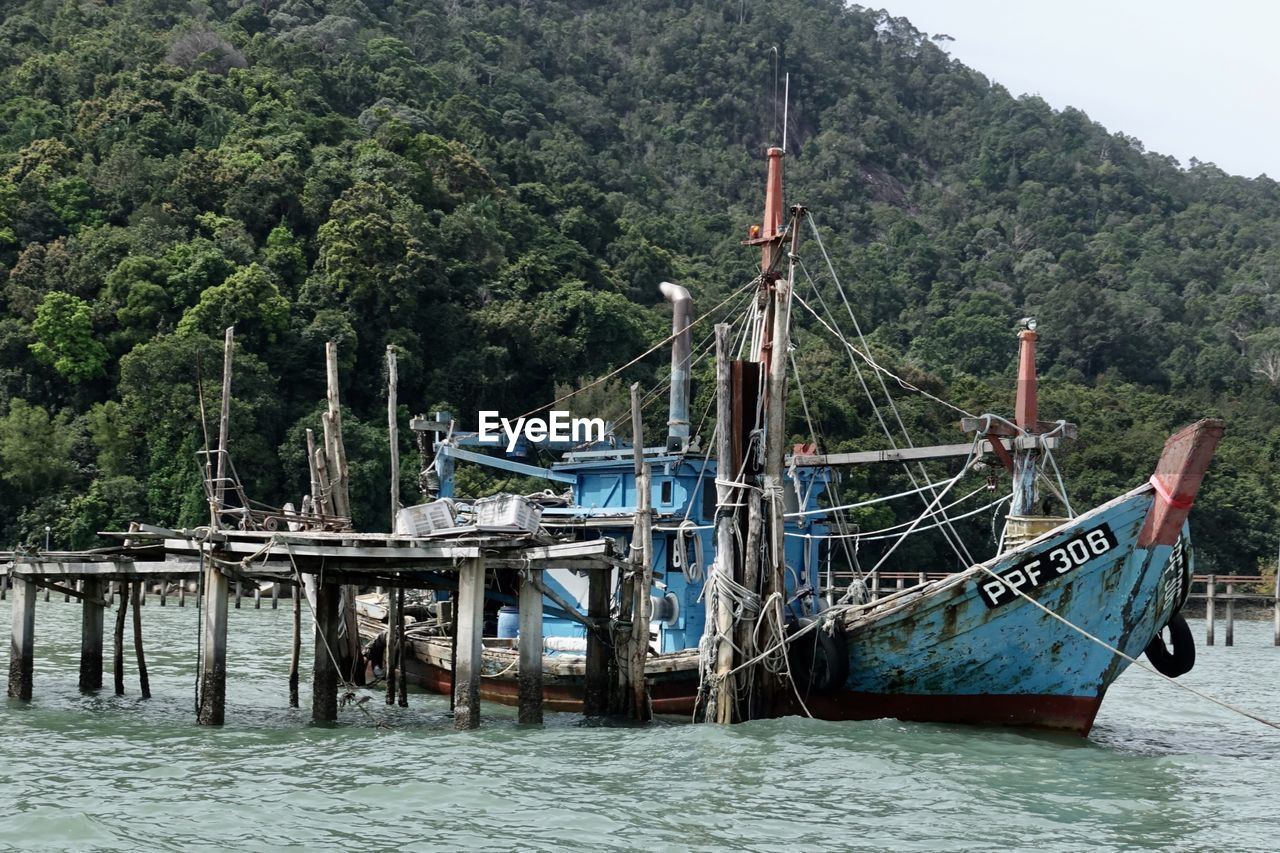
496, 188
64, 338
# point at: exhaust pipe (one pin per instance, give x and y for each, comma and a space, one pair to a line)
681, 347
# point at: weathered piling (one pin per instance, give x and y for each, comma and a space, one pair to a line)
22, 640
275, 595
595, 699
530, 703
164, 590
117, 663
239, 594
720, 702
144, 683
224, 426
469, 619
392, 647
324, 680
641, 539
1231, 614
393, 432
402, 647
257, 596
213, 647
1210, 607
296, 648
91, 626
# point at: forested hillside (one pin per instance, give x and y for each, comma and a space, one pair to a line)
497, 188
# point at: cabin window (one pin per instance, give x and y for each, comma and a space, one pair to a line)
668, 492
708, 500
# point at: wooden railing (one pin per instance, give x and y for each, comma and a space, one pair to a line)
1229, 589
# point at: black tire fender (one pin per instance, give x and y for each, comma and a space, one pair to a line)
820, 659
1182, 658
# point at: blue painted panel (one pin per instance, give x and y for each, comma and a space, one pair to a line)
951, 642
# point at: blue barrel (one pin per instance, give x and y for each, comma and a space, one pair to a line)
508, 623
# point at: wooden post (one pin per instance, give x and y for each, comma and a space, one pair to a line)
22, 640
530, 711
393, 646
334, 446
642, 554
324, 503
275, 595
144, 683
315, 463
224, 427
720, 701
595, 697
393, 433
239, 592
351, 654
402, 648
164, 590
122, 610
324, 680
1210, 586
773, 577
1231, 614
470, 621
257, 595
213, 647
182, 592
91, 625
296, 648
1275, 633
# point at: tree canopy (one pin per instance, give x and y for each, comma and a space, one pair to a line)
496, 188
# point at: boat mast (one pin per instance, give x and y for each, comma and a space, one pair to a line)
1025, 415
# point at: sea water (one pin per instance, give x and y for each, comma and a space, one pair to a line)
1162, 770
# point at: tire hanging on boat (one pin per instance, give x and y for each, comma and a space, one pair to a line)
820, 659
1182, 658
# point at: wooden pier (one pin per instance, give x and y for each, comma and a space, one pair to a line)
321, 560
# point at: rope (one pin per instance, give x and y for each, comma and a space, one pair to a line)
887, 532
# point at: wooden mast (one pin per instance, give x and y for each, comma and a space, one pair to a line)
1025, 493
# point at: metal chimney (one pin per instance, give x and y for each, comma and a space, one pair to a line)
681, 346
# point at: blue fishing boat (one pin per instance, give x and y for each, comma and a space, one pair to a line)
743, 598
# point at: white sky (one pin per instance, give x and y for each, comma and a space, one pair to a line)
1189, 79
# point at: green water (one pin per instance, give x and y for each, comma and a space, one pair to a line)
1162, 770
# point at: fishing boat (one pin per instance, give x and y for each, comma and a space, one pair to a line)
745, 596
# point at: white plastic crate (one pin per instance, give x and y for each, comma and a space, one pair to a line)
507, 513
424, 519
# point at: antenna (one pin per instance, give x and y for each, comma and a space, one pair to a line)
774, 49
786, 97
